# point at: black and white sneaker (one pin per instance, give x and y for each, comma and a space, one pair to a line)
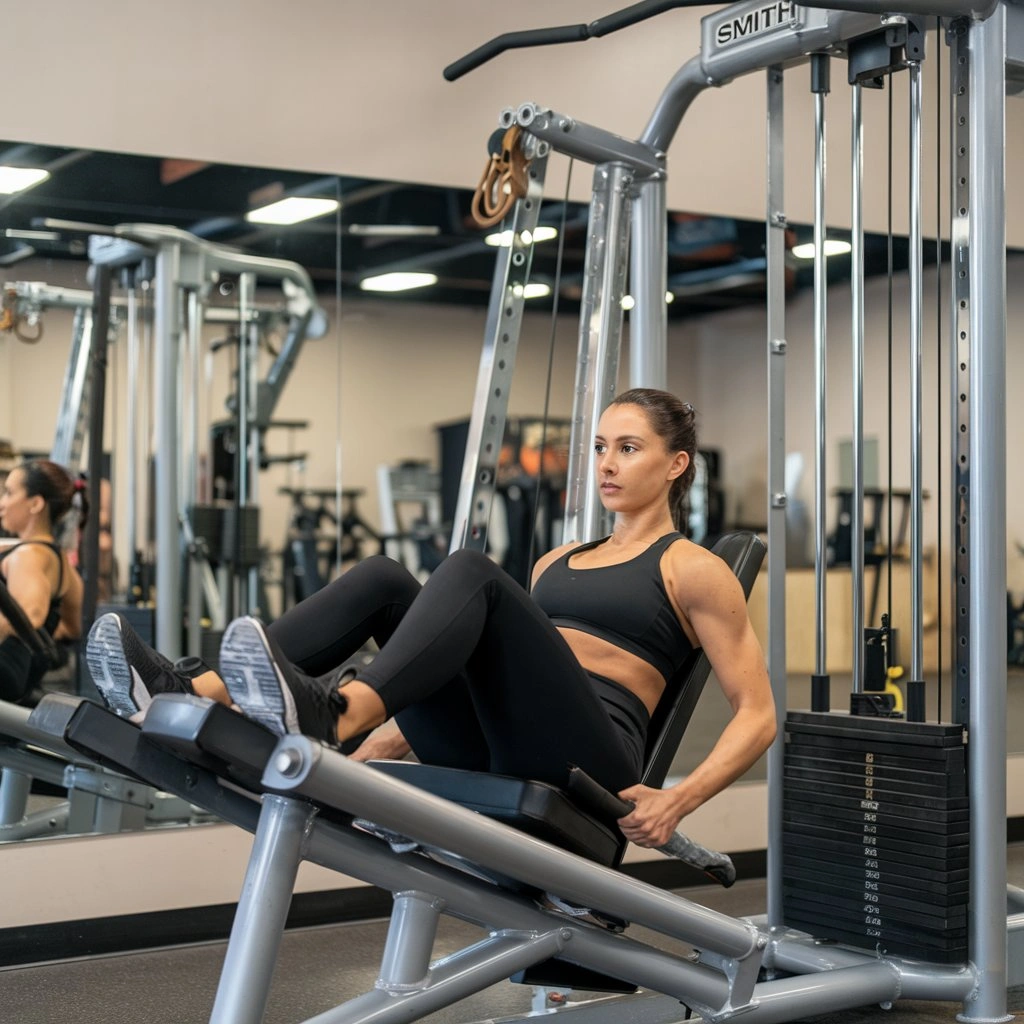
127, 672
269, 689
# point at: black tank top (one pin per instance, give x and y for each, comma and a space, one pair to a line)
53, 615
625, 604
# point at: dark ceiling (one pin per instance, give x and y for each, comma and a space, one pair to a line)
714, 263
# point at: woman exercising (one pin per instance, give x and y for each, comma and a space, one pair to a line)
475, 673
35, 499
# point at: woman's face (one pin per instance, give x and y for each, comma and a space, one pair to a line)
633, 468
16, 507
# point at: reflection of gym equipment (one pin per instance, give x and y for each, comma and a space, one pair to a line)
410, 516
312, 555
97, 800
528, 503
173, 272
875, 551
1015, 625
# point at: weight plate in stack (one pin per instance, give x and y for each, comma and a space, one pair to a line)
875, 834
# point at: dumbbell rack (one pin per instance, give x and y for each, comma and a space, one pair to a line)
875, 834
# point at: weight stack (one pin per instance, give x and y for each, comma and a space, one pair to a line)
875, 834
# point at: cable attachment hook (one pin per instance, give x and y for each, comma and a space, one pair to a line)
11, 319
503, 182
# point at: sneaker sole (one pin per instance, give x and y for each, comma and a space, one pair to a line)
253, 680
119, 685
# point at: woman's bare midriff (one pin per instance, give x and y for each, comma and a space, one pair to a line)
605, 659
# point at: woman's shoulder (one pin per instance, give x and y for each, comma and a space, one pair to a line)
695, 569
31, 556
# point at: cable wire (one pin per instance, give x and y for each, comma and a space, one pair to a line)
551, 366
889, 271
938, 355
337, 374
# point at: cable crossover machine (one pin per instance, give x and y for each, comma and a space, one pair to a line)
886, 836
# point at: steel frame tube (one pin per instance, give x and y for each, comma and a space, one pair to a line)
916, 270
167, 345
262, 910
775, 246
597, 360
307, 768
820, 376
241, 601
190, 470
15, 787
497, 360
986, 44
648, 346
816, 31
857, 350
132, 424
97, 383
410, 940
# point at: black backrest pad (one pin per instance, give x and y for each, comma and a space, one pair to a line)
743, 552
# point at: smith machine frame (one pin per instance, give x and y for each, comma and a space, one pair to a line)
628, 214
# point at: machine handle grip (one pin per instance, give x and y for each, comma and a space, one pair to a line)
594, 797
513, 41
563, 34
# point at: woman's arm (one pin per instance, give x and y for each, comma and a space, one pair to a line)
386, 743
28, 580
70, 625
713, 602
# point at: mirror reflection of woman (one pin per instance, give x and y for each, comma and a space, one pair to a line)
35, 499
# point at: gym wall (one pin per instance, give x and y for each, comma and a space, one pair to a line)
356, 88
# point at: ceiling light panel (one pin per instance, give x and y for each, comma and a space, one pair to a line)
17, 179
292, 210
397, 282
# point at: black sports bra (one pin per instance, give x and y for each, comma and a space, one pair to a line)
625, 604
53, 615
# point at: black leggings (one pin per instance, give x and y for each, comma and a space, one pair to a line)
475, 674
19, 669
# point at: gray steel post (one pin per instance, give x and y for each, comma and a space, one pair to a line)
775, 245
410, 940
67, 442
167, 345
857, 349
252, 606
145, 389
190, 467
820, 394
916, 270
242, 602
597, 361
14, 791
262, 910
648, 349
135, 385
497, 359
986, 43
960, 377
